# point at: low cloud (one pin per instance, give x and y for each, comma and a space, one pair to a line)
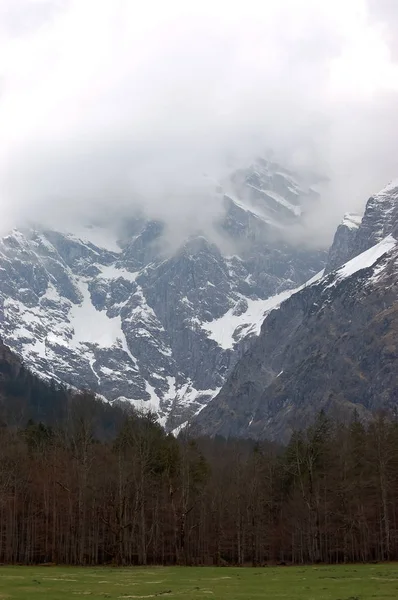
106, 107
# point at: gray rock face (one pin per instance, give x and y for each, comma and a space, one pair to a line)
344, 242
130, 322
333, 345
355, 235
380, 218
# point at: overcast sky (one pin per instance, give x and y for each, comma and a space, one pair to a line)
103, 102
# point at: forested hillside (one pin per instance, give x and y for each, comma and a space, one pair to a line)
145, 497
25, 397
86, 482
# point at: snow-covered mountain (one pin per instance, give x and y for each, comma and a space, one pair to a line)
332, 345
118, 315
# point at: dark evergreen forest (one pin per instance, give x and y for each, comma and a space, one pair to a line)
96, 485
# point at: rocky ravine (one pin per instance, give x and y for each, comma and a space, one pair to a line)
333, 345
121, 317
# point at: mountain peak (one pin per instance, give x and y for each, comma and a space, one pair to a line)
354, 235
390, 190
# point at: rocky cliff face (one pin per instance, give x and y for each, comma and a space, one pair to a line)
380, 218
331, 345
125, 319
355, 234
343, 247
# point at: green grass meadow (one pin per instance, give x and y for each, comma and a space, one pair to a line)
354, 582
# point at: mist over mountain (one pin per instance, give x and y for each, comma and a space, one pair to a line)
152, 315
106, 109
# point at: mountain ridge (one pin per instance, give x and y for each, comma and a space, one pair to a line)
133, 323
326, 345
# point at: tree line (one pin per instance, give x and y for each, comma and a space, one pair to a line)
73, 493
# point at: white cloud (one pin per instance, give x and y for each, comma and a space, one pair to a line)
105, 102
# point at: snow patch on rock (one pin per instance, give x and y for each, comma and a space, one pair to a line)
367, 258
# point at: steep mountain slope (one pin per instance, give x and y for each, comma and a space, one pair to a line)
333, 345
129, 321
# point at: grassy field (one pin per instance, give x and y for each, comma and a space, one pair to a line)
357, 582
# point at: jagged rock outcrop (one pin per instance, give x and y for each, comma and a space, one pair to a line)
380, 218
344, 241
355, 234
